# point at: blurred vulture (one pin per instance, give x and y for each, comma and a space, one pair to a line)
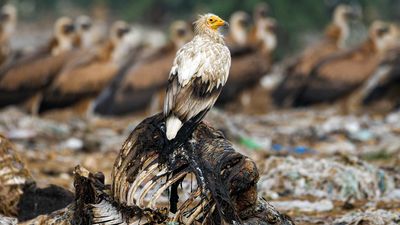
238, 32
138, 87
83, 80
336, 35
249, 66
340, 74
85, 32
382, 90
261, 10
8, 21
25, 77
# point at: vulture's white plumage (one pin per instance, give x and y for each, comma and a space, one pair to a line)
199, 71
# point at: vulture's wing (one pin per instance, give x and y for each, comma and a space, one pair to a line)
337, 76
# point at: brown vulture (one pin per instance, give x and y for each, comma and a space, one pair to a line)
342, 73
140, 86
26, 77
336, 35
82, 80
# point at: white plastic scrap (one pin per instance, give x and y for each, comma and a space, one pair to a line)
8, 220
371, 217
304, 206
332, 178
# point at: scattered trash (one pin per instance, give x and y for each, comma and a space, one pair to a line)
362, 135
304, 206
8, 220
371, 217
73, 143
21, 134
333, 178
312, 182
249, 143
321, 131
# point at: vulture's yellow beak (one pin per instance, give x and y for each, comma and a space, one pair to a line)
214, 22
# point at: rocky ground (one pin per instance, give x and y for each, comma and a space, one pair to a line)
316, 165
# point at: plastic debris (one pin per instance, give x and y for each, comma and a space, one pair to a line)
304, 206
323, 131
249, 143
8, 220
73, 143
370, 217
21, 134
362, 135
333, 178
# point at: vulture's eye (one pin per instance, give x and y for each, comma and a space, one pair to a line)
211, 19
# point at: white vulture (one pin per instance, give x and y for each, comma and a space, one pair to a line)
200, 70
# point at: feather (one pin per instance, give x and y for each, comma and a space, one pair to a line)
173, 126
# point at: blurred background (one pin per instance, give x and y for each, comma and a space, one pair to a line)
299, 21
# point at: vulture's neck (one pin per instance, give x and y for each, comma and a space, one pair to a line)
239, 35
269, 42
202, 30
120, 51
86, 39
344, 31
62, 44
178, 42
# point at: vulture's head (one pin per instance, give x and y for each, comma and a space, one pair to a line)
181, 33
84, 27
239, 24
344, 14
122, 41
341, 29
64, 33
64, 27
8, 19
261, 10
208, 25
385, 36
266, 33
118, 30
84, 23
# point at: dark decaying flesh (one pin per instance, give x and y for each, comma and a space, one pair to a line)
202, 182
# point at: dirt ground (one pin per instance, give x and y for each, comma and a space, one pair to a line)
316, 165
